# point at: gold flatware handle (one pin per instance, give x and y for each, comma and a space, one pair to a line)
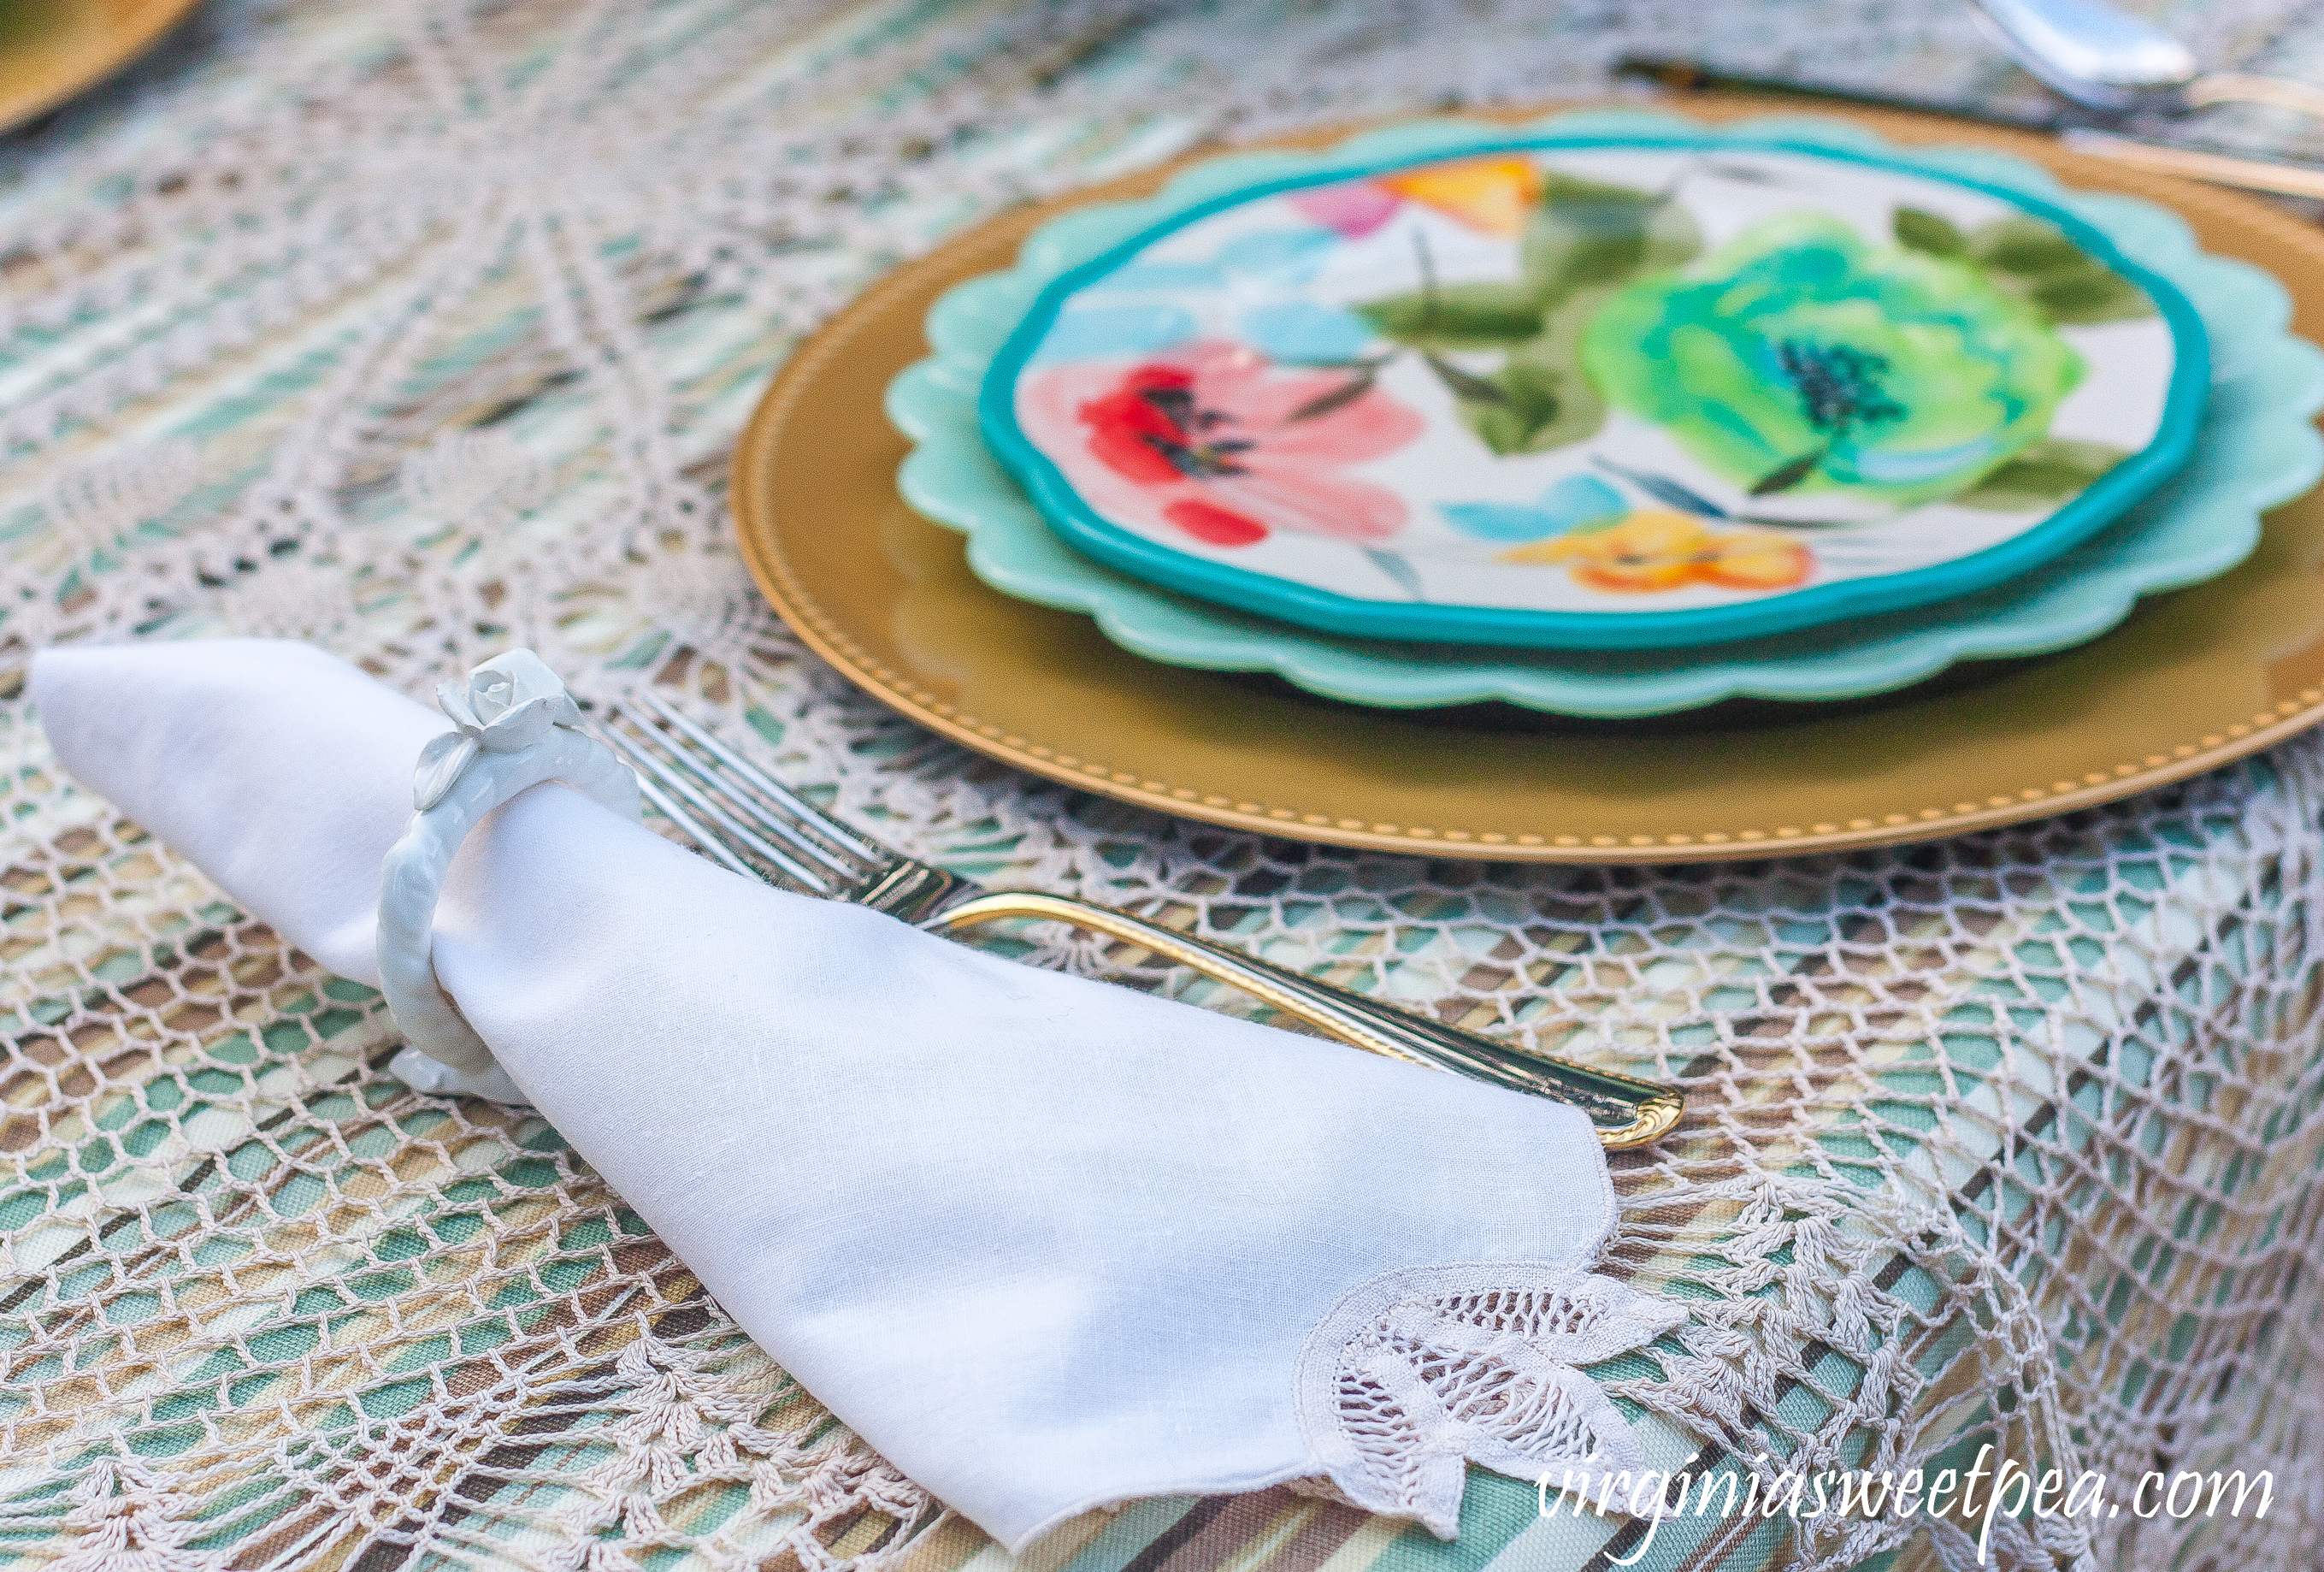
2249, 175
1625, 1110
2240, 88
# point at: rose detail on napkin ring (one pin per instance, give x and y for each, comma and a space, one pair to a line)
516, 726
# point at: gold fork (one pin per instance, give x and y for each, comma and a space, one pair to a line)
737, 814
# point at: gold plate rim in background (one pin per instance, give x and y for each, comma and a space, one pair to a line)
838, 556
68, 46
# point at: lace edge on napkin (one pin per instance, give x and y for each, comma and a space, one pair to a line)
1419, 1372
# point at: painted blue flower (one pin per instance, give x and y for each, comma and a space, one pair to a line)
1574, 503
1096, 332
1303, 333
1104, 320
1283, 256
1274, 256
1139, 276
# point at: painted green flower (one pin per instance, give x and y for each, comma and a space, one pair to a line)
1799, 358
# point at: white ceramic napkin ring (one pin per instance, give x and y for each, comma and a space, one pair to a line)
515, 729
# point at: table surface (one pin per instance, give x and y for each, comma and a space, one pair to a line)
421, 331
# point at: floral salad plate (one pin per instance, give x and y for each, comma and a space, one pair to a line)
2253, 448
1591, 391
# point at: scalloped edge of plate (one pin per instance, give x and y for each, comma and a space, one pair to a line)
2255, 450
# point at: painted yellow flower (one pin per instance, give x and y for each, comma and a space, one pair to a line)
1655, 549
1494, 196
1652, 550
1756, 559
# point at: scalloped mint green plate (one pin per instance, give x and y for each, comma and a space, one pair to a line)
2254, 448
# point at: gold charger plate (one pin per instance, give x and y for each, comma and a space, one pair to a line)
50, 49
2190, 681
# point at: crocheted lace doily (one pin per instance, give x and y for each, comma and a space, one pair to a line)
421, 330
1419, 1373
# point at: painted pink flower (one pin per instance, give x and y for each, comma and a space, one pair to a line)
1352, 207
1215, 440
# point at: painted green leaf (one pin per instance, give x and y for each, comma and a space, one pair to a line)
1585, 233
1508, 427
1544, 401
1360, 383
2043, 476
1463, 315
2091, 296
1463, 384
2034, 261
1788, 474
1917, 229
2024, 245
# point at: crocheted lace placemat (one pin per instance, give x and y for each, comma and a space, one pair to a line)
422, 329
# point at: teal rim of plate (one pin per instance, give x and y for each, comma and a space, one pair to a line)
2099, 505
2256, 449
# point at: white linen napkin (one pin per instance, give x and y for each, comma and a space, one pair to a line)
1047, 1243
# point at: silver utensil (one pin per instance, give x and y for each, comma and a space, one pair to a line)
2104, 57
2189, 161
736, 814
